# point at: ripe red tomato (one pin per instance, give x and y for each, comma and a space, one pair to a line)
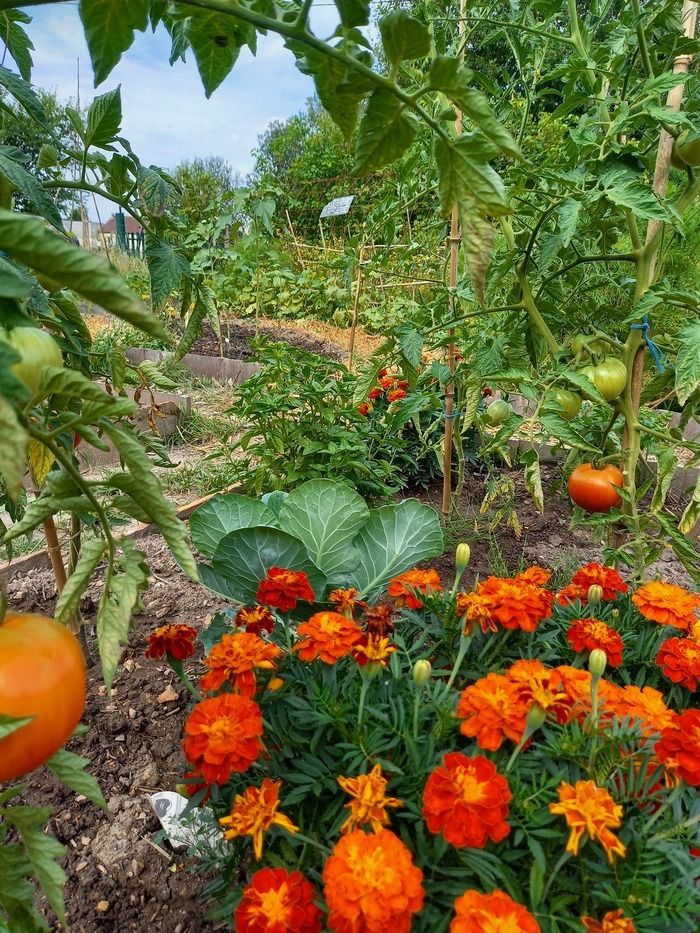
594, 490
42, 674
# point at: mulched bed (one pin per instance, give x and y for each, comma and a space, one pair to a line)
121, 876
237, 336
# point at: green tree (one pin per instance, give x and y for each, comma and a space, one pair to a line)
206, 185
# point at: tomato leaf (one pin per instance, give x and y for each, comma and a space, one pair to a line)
40, 459
128, 577
560, 429
28, 240
386, 131
691, 515
70, 769
478, 235
404, 37
16, 40
353, 12
464, 174
109, 30
91, 554
22, 92
145, 489
666, 469
10, 724
533, 478
216, 40
688, 362
42, 851
12, 449
167, 267
27, 184
104, 119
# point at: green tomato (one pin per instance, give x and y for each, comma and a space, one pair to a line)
585, 344
37, 348
497, 412
610, 378
565, 403
676, 160
588, 372
688, 151
578, 344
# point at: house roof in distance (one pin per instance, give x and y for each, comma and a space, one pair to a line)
132, 226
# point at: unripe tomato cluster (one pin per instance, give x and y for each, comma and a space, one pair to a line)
37, 350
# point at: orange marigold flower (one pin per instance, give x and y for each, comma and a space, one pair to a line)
234, 660
255, 619
613, 922
491, 711
589, 809
475, 609
667, 604
516, 604
176, 640
345, 601
496, 912
364, 408
371, 884
378, 620
571, 593
254, 812
282, 589
537, 575
607, 578
679, 659
536, 684
374, 393
222, 735
373, 649
646, 705
576, 684
369, 801
328, 636
679, 747
405, 588
586, 634
278, 901
386, 382
466, 800
396, 395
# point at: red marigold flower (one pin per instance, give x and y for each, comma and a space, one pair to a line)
607, 578
345, 601
374, 393
364, 408
278, 901
475, 610
371, 884
537, 575
538, 685
644, 704
222, 736
282, 589
589, 810
177, 640
255, 619
679, 747
587, 634
378, 620
571, 593
382, 372
613, 922
491, 913
396, 395
373, 649
491, 711
404, 589
328, 636
234, 660
516, 604
402, 383
679, 659
667, 604
253, 812
466, 800
369, 801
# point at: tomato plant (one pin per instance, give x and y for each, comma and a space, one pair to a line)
593, 488
37, 349
610, 378
42, 677
497, 412
566, 403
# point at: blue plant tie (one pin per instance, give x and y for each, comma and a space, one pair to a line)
653, 349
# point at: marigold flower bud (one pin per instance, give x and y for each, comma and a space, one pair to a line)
597, 662
421, 672
275, 683
536, 716
462, 556
595, 594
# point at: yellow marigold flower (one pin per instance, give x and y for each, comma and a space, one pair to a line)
369, 800
589, 809
254, 812
373, 649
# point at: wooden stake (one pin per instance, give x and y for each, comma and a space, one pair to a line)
294, 237
455, 240
356, 305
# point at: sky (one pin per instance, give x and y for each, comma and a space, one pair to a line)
166, 116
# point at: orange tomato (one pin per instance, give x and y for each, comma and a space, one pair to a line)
594, 490
42, 674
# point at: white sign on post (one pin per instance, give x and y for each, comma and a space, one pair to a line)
338, 206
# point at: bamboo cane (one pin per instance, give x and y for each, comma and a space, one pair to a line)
455, 240
356, 306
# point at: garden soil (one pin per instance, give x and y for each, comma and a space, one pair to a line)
122, 876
